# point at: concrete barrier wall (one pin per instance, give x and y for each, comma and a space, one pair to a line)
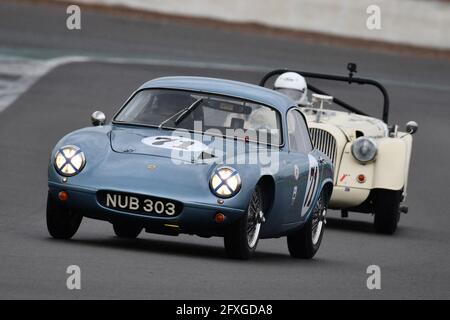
423, 23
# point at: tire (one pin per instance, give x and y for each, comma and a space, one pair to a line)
241, 238
386, 207
62, 223
304, 243
126, 230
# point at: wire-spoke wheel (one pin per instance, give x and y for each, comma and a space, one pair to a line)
304, 243
242, 237
254, 219
318, 220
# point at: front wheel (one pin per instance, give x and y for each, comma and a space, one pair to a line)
386, 207
242, 237
62, 223
304, 243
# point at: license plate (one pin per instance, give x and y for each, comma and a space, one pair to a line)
136, 203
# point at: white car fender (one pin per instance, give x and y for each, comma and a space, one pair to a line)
391, 164
389, 170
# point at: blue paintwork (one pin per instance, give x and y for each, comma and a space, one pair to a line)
116, 160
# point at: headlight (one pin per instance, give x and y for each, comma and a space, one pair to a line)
225, 182
364, 149
69, 161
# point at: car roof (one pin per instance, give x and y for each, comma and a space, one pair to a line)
223, 87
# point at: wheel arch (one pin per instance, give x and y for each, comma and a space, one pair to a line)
267, 183
327, 186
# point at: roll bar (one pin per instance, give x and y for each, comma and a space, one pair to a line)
351, 67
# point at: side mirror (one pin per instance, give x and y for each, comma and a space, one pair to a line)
98, 118
412, 127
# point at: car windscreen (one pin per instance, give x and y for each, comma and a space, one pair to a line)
210, 113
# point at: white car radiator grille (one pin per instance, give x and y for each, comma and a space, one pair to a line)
325, 142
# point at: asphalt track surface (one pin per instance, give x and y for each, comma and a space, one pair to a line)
415, 262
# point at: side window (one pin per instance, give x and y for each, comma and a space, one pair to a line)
299, 139
305, 133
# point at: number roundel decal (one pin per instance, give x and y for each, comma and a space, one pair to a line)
312, 184
175, 142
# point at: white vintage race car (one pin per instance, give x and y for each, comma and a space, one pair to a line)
371, 159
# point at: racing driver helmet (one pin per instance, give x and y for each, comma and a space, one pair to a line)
293, 85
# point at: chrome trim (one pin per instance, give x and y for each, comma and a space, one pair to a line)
325, 142
98, 118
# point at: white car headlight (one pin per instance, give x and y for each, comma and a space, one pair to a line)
69, 161
225, 182
364, 149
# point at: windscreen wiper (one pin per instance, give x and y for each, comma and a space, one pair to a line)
187, 111
182, 111
171, 117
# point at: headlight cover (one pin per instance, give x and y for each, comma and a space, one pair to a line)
225, 182
69, 161
364, 149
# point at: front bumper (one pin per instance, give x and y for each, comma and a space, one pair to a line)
195, 218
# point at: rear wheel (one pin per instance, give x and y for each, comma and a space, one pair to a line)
386, 206
126, 230
304, 243
62, 223
242, 237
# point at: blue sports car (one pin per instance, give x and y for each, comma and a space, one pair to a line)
195, 155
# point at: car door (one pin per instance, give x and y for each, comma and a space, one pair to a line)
306, 177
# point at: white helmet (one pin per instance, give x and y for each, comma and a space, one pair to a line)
293, 85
